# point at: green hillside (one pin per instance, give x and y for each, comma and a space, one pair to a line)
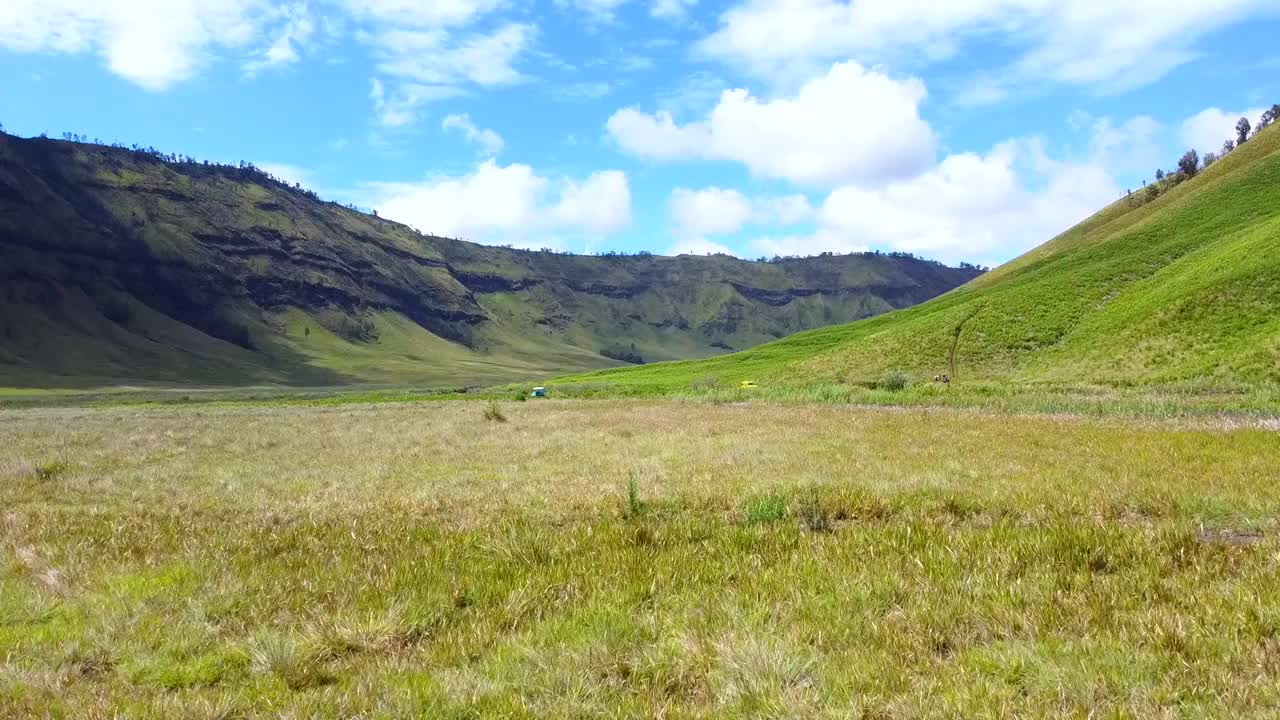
130, 266
1182, 287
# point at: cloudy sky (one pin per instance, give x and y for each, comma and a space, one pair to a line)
962, 130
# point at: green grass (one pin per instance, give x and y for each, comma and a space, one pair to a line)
634, 559
1174, 291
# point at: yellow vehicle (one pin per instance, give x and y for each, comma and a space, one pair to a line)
747, 384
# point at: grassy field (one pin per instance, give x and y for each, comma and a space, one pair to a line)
635, 559
1173, 290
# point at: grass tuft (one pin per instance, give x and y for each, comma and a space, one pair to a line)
90, 661
294, 662
52, 470
766, 509
815, 516
493, 413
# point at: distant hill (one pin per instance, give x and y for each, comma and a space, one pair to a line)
126, 265
1177, 283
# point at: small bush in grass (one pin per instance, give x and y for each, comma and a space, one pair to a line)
635, 506
894, 381
770, 508
52, 470
493, 413
814, 514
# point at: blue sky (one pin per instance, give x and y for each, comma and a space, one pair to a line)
966, 130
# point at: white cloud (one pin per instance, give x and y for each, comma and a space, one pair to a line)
434, 57
151, 43
298, 28
1085, 42
786, 210
288, 173
417, 13
671, 9
849, 125
696, 214
158, 43
431, 64
488, 140
1134, 146
982, 90
508, 204
1208, 129
401, 108
429, 51
596, 10
714, 211
657, 136
969, 207
600, 205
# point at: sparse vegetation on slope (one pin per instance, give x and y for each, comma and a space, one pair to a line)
1181, 288
132, 265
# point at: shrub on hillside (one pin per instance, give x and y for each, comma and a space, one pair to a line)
894, 381
1242, 131
1189, 165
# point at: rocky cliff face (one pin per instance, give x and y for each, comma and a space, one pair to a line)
95, 238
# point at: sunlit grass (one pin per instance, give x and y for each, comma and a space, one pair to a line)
634, 559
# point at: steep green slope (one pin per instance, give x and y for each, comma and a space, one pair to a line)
1182, 287
126, 265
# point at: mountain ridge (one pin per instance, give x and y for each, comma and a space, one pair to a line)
177, 271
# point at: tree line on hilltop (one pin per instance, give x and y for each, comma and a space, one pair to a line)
1191, 163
